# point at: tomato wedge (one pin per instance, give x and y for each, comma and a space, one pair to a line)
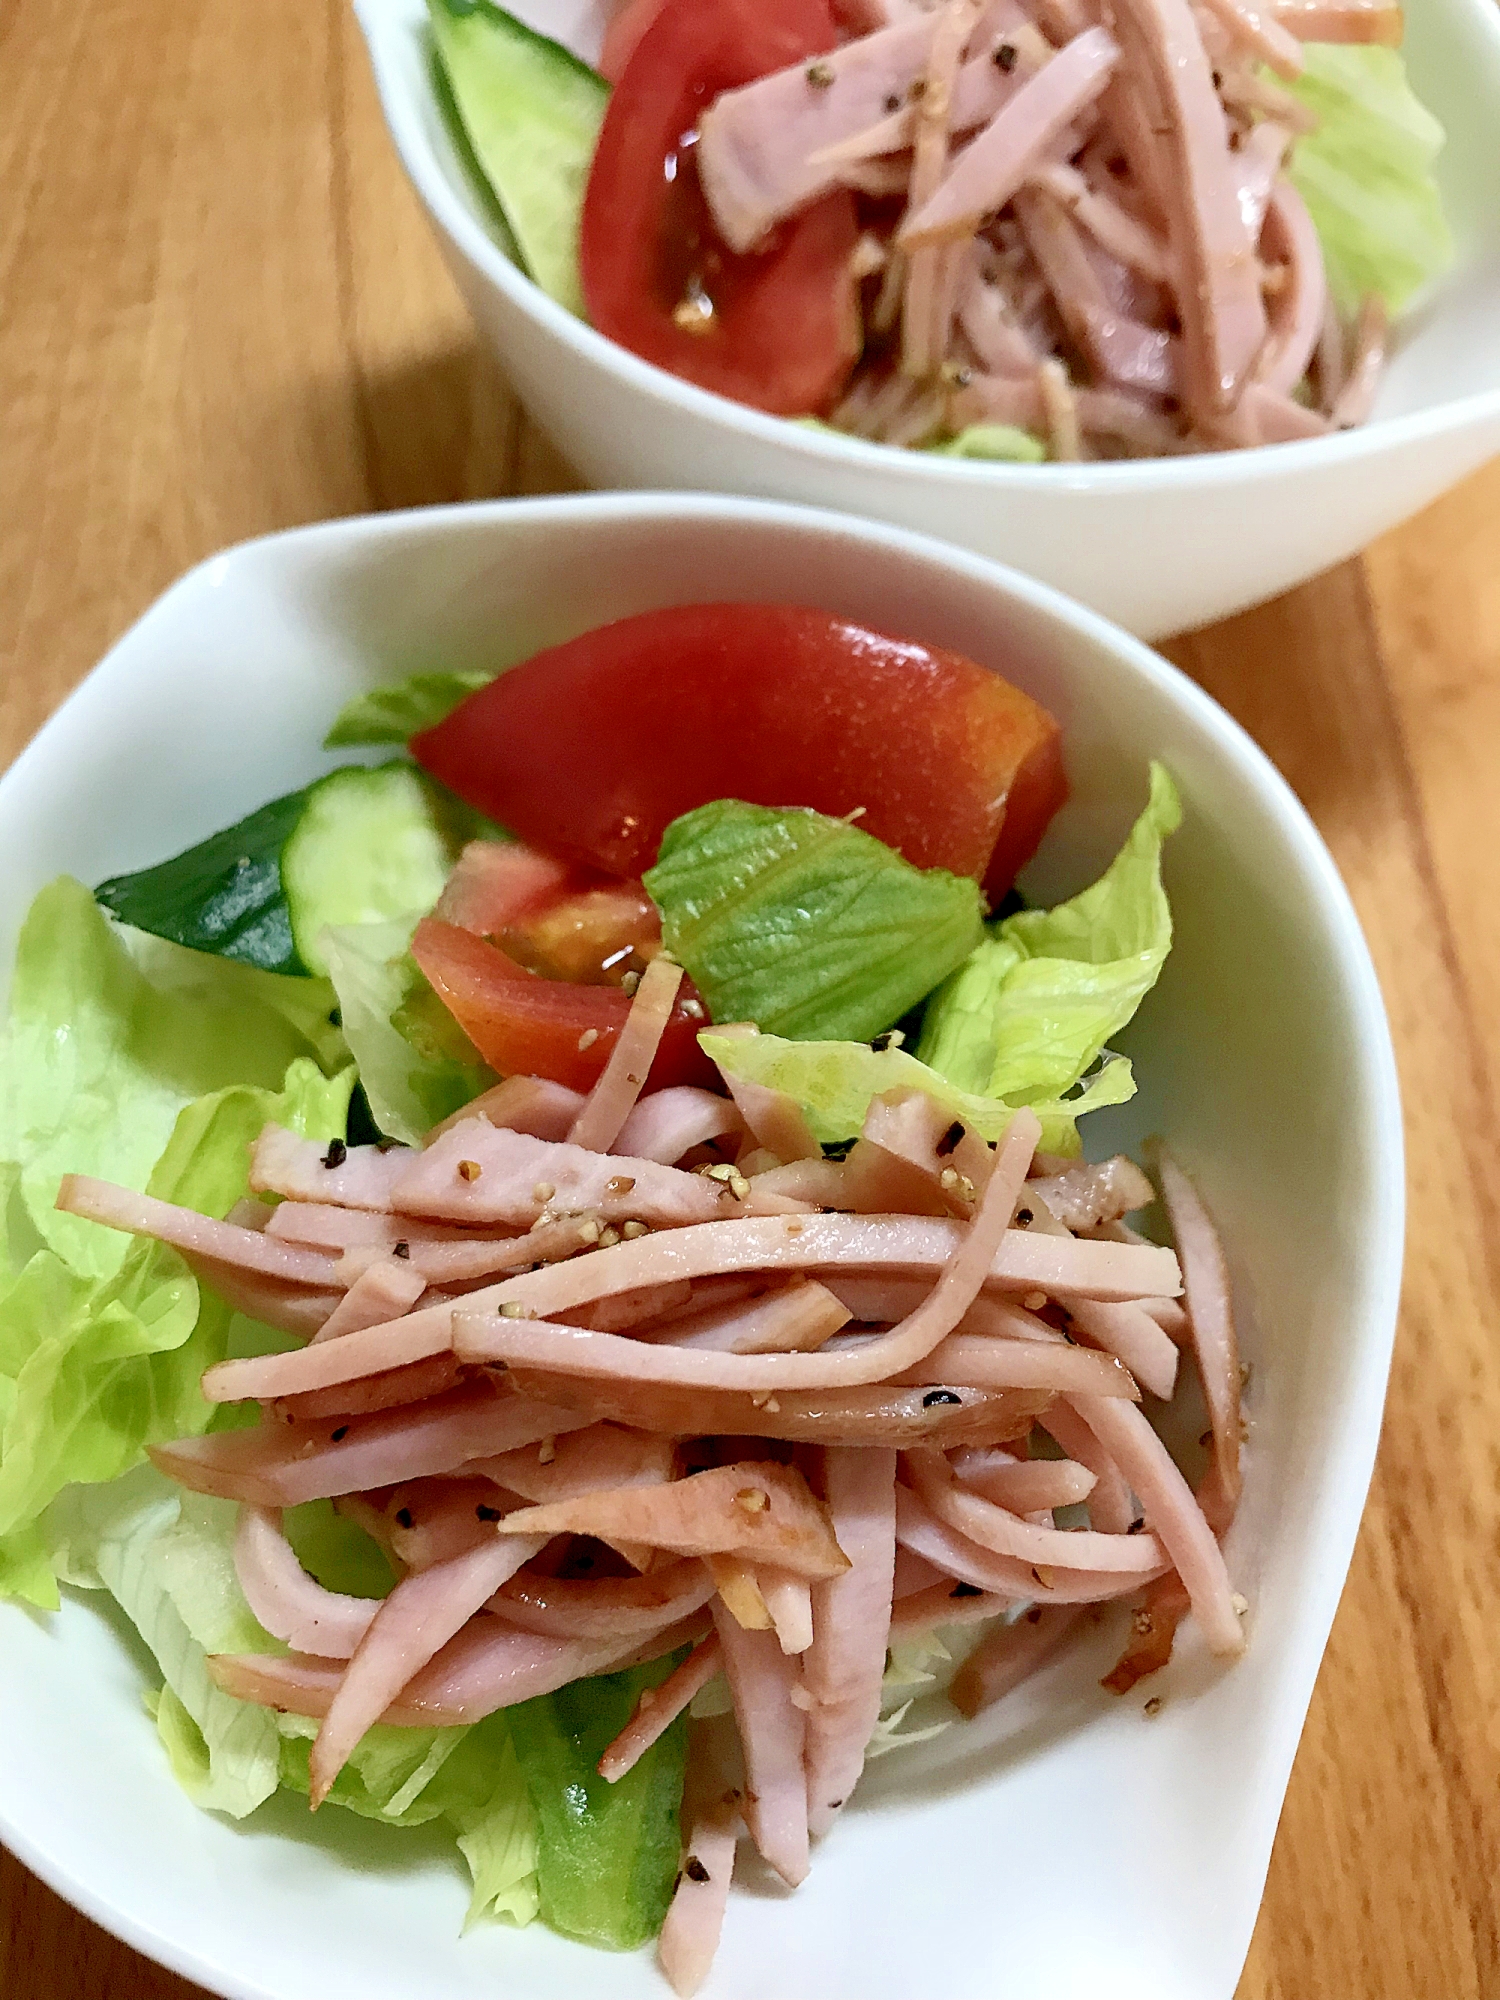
591, 748
525, 1025
778, 328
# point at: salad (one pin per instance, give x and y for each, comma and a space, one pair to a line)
552, 1276
1007, 229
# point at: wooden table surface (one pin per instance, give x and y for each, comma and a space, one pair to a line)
220, 314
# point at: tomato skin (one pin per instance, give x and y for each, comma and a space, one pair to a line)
591, 748
524, 1025
623, 33
784, 332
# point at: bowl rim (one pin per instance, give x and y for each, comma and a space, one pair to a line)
386, 22
1353, 1451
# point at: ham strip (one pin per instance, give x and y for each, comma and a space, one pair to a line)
1084, 1196
761, 1679
851, 1616
305, 1170
613, 1607
430, 1521
533, 1104
936, 1605
1010, 1654
1111, 1507
1023, 1486
481, 1173
1173, 1513
1217, 282
591, 1460
757, 1509
970, 1361
289, 1308
788, 1602
795, 1319
992, 167
1356, 21
420, 1616
467, 1257
318, 1225
382, 1292
658, 1708
1297, 325
690, 1931
1133, 1337
488, 1666
1257, 164
1216, 1350
417, 1382
991, 1527
883, 1415
669, 1123
292, 1605
1356, 397
251, 1250
280, 1465
918, 1529
613, 1097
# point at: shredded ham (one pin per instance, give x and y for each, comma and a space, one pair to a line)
533, 1104
690, 1932
382, 1292
416, 1382
1215, 1347
669, 1123
1010, 1654
796, 1318
613, 1097
772, 1732
851, 1617
252, 1250
919, 1529
586, 1461
290, 1604
658, 1708
1133, 1337
1023, 1485
611, 1607
991, 1527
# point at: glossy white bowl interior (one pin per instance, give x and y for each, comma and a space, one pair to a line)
1159, 545
1065, 1846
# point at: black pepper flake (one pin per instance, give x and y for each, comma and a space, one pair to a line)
1136, 1527
1034, 1615
966, 1590
893, 102
935, 1396
695, 1870
404, 1518
337, 1153
1005, 57
1024, 1218
402, 1249
834, 1804
1218, 80
483, 1513
950, 1139
340, 1434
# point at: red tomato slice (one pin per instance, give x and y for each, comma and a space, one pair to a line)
623, 33
778, 328
591, 748
500, 883
594, 938
524, 1025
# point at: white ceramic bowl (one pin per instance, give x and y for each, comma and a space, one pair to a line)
1064, 1846
1159, 545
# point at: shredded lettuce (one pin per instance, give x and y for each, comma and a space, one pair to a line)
1033, 1008
415, 1068
396, 713
993, 441
803, 924
1366, 176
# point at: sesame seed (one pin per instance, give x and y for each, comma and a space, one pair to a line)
543, 1191
632, 1229
587, 1039
753, 1499
819, 75
513, 1309
630, 982
1034, 1301
546, 1451
1241, 1605
590, 1231
794, 1228
469, 1170
1042, 1576
739, 1187
693, 1010
1153, 1706
609, 1236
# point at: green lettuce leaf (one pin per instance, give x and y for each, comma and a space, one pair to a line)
607, 1854
498, 1839
1366, 176
1033, 1008
395, 714
415, 1070
110, 1034
102, 1367
803, 924
835, 1083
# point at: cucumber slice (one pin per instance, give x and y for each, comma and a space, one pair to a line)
223, 896
369, 846
532, 112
